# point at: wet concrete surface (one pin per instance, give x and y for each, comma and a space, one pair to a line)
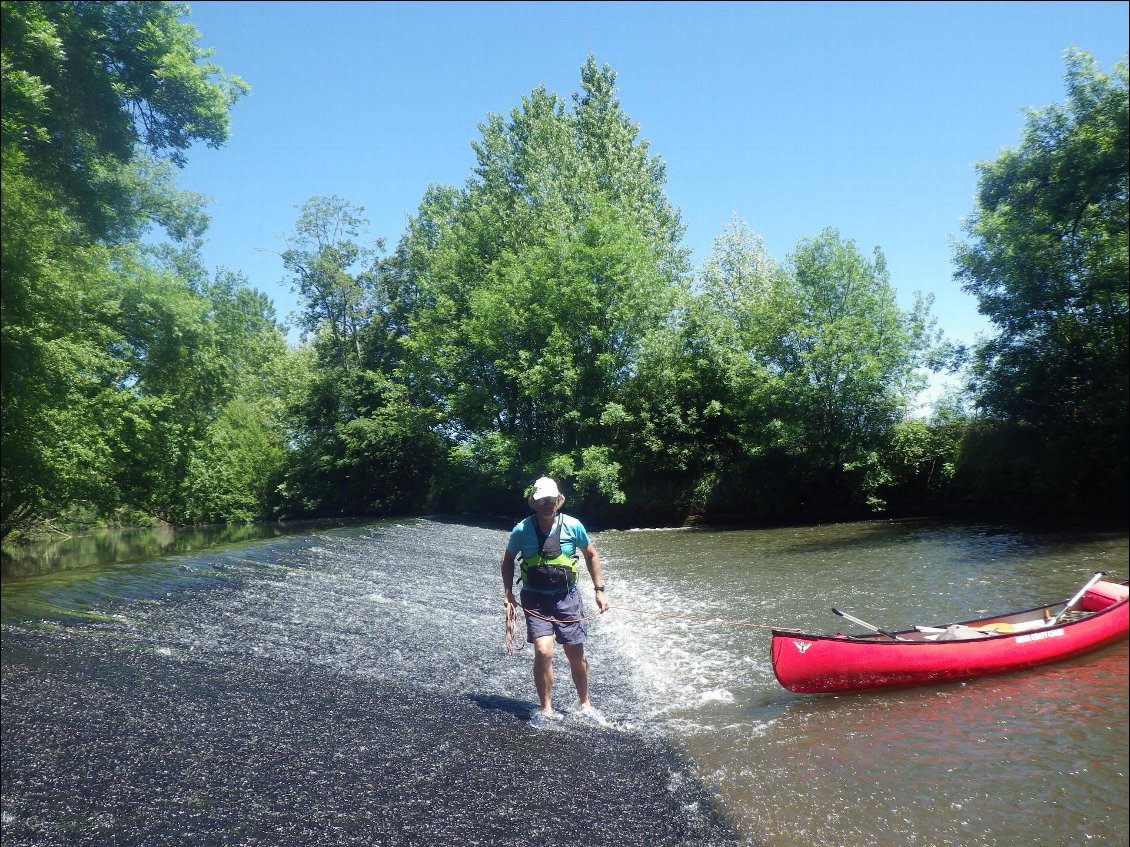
111, 739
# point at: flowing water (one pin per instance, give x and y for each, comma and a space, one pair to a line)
351, 686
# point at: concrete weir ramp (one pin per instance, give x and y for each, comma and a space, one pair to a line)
345, 688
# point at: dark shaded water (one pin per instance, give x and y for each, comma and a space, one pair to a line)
351, 687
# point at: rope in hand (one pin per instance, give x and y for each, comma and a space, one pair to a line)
515, 618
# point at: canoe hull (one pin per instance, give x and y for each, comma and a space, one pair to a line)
828, 664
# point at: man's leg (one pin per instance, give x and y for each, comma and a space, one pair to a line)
543, 672
579, 666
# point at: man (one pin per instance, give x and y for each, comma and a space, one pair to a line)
546, 547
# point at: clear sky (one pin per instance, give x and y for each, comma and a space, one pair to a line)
866, 117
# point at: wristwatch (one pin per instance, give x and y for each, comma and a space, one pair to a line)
598, 588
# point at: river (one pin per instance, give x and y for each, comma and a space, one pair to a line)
351, 685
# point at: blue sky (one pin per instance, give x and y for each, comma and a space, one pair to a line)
866, 117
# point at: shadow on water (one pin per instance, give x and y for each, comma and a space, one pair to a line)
504, 705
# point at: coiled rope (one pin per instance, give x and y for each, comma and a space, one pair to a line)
514, 619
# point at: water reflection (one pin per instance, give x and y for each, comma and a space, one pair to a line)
983, 762
103, 547
95, 575
1033, 757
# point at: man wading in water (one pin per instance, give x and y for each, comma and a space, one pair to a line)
546, 546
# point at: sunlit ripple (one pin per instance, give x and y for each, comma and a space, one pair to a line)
1016, 759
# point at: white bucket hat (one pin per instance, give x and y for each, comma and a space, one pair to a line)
545, 487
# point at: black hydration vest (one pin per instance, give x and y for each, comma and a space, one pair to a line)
551, 571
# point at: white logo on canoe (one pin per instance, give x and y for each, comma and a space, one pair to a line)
1040, 636
802, 645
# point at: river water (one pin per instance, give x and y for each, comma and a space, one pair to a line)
351, 686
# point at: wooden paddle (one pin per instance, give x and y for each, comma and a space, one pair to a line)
987, 629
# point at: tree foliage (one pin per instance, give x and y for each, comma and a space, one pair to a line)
820, 366
334, 275
88, 84
360, 443
849, 359
1046, 256
115, 356
529, 292
540, 319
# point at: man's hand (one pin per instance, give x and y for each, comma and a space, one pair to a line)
601, 602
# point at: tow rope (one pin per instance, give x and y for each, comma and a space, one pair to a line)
515, 618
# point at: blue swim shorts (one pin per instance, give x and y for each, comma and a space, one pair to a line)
563, 607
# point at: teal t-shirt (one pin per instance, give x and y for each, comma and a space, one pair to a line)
524, 537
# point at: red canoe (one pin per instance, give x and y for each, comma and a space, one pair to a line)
826, 664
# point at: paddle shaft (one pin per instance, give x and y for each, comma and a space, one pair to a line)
1078, 596
866, 625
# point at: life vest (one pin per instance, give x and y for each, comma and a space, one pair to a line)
550, 571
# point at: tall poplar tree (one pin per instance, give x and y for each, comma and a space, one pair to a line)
532, 288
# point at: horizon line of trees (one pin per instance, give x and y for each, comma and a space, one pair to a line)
542, 319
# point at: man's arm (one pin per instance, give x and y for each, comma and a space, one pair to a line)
592, 561
508, 578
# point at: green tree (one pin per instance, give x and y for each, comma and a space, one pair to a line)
530, 291
237, 436
334, 274
362, 444
1046, 256
682, 420
181, 357
823, 369
86, 85
60, 401
850, 362
677, 422
100, 100
233, 470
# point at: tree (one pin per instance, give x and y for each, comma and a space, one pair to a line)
1046, 256
361, 443
530, 291
334, 274
850, 360
823, 369
681, 420
100, 100
59, 396
88, 84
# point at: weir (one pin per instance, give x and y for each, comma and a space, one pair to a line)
348, 688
